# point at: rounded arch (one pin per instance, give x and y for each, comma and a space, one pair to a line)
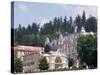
58, 60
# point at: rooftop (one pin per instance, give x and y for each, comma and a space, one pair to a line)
27, 48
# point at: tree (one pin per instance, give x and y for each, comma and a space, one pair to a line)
47, 29
35, 28
71, 20
65, 27
29, 29
91, 24
70, 28
55, 24
87, 50
43, 65
28, 35
28, 39
18, 34
83, 19
70, 62
18, 66
78, 22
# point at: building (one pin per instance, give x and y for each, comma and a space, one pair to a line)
62, 48
31, 61
21, 50
29, 55
56, 51
56, 55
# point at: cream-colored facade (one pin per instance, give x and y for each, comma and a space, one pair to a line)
30, 57
56, 57
22, 50
56, 61
66, 47
59, 51
30, 62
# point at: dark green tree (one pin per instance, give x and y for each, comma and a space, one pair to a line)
71, 20
28, 39
83, 19
43, 65
18, 66
91, 24
70, 62
78, 22
28, 35
35, 28
64, 26
18, 34
29, 29
70, 26
47, 29
87, 50
55, 26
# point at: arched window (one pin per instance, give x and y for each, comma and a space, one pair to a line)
58, 60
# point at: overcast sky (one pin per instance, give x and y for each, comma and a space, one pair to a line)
28, 12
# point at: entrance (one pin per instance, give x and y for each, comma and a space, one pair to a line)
58, 63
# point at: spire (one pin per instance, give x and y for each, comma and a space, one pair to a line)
60, 36
75, 30
83, 30
47, 41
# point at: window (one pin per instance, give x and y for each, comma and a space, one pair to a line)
58, 60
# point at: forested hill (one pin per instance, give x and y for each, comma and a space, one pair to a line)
35, 36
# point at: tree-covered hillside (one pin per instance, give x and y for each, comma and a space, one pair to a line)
35, 35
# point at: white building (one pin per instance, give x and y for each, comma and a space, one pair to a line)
56, 56
63, 48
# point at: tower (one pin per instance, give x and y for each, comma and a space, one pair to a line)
61, 44
47, 41
83, 30
75, 30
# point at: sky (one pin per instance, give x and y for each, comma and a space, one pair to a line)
28, 12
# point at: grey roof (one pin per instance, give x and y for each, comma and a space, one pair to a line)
52, 47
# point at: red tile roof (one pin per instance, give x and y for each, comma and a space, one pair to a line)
27, 48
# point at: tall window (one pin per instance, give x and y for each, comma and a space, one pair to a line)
58, 60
